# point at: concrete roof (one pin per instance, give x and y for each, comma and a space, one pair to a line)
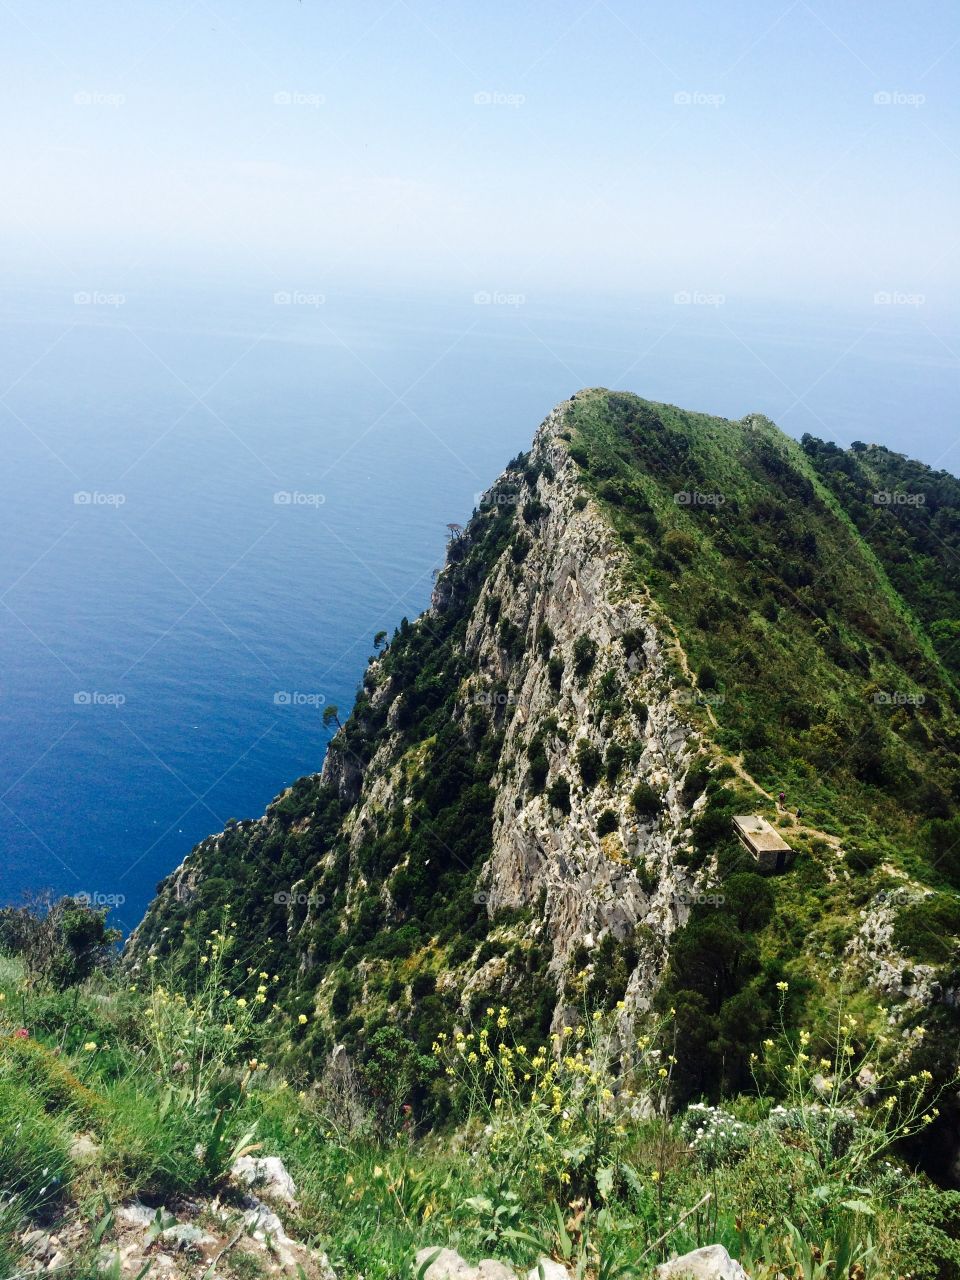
758, 833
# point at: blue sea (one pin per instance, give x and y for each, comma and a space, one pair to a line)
212, 499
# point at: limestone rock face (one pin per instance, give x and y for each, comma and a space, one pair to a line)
572, 582
593, 670
581, 887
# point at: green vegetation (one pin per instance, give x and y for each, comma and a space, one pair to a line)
820, 674
811, 641
170, 1085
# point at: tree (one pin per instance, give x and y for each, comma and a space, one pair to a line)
392, 1071
331, 715
379, 639
61, 943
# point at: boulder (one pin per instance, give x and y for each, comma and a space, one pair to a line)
448, 1265
547, 1269
135, 1214
711, 1263
84, 1149
268, 1175
184, 1235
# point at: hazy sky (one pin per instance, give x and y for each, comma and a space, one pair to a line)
753, 148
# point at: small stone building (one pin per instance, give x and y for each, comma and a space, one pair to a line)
770, 851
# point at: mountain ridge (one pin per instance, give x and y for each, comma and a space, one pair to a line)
649, 615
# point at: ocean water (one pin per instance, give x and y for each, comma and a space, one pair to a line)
170, 628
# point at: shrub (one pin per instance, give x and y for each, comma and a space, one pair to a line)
545, 638
927, 929
392, 1070
714, 1136
555, 672
645, 800
61, 943
606, 822
584, 656
559, 794
616, 754
679, 545
589, 762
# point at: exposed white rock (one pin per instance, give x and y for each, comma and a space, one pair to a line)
267, 1174
448, 1265
711, 1263
547, 1269
134, 1214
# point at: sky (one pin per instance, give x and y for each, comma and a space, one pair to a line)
754, 149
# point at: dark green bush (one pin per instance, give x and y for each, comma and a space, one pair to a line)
645, 800
559, 794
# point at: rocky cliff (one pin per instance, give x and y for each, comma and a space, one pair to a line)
651, 622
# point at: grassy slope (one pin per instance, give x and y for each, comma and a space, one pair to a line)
789, 624
784, 610
96, 1062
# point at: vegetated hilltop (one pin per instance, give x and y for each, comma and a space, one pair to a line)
653, 621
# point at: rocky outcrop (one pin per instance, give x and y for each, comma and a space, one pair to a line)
588, 671
711, 1263
571, 587
575, 668
197, 1238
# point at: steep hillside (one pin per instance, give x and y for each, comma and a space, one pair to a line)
653, 621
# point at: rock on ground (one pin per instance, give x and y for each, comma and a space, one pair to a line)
547, 1269
448, 1265
711, 1263
268, 1175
